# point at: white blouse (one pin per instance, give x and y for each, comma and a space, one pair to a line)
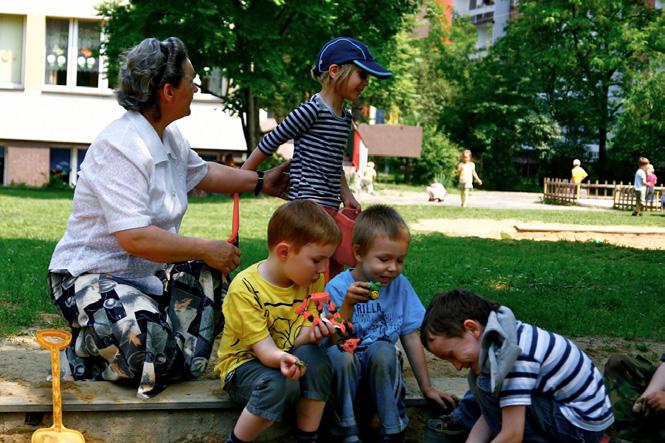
129, 179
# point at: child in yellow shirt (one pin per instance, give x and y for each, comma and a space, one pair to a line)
265, 343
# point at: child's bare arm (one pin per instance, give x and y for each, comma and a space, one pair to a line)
475, 176
254, 160
273, 357
512, 425
346, 195
415, 353
480, 433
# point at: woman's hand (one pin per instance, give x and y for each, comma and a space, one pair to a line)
291, 367
222, 255
276, 180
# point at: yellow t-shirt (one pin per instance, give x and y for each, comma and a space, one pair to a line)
578, 174
254, 309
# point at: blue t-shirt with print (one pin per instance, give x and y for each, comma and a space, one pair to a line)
398, 311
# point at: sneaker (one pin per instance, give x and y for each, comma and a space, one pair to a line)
446, 424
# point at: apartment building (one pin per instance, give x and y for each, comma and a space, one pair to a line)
55, 98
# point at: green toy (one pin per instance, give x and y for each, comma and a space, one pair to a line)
374, 287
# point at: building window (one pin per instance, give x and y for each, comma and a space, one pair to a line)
72, 53
11, 50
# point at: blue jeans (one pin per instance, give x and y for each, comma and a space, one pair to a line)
266, 393
467, 411
544, 421
376, 370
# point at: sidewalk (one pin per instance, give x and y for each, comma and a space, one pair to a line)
482, 199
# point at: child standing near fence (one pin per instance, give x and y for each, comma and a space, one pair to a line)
640, 186
320, 127
466, 171
651, 183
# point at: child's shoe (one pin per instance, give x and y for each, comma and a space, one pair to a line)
445, 429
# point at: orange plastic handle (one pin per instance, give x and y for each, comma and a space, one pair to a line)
53, 339
233, 239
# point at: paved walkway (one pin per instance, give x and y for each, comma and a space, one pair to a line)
483, 199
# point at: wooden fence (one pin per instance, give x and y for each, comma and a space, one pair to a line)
624, 198
563, 191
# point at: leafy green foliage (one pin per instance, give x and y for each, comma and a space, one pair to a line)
265, 48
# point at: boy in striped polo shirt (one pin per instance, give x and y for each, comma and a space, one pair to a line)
531, 385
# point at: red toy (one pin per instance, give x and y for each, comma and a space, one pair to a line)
344, 328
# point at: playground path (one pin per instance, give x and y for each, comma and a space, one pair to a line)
627, 236
482, 199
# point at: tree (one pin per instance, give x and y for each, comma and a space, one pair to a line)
428, 72
265, 48
582, 56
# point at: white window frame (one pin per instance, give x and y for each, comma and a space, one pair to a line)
72, 55
21, 84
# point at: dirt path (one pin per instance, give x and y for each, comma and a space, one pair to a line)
629, 236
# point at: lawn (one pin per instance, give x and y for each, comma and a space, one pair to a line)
576, 289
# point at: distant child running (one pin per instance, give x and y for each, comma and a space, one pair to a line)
320, 127
640, 186
269, 358
531, 385
466, 171
371, 378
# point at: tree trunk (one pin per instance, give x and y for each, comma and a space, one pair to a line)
602, 131
250, 120
602, 153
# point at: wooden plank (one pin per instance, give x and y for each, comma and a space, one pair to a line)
198, 394
107, 396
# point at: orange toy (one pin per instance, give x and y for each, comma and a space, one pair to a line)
55, 341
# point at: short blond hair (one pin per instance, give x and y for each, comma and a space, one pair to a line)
643, 161
375, 221
343, 75
301, 222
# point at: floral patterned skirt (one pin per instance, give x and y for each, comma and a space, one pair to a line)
122, 334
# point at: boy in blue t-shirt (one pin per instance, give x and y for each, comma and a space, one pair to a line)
380, 244
531, 385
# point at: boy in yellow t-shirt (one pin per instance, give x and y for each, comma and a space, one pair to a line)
269, 358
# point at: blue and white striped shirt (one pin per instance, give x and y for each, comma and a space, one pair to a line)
553, 365
319, 138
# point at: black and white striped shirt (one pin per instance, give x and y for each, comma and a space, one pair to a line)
553, 365
319, 138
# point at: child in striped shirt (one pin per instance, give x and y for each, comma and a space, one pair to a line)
531, 384
320, 127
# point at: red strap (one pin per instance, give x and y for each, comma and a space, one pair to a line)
233, 239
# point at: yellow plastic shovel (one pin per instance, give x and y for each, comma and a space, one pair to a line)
55, 341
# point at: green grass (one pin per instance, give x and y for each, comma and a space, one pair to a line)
571, 288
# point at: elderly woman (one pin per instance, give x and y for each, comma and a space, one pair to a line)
134, 317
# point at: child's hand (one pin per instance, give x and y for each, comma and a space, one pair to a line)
321, 330
441, 398
291, 367
358, 292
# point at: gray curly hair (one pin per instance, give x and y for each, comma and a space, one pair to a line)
145, 69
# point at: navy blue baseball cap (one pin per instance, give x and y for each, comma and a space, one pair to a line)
342, 50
